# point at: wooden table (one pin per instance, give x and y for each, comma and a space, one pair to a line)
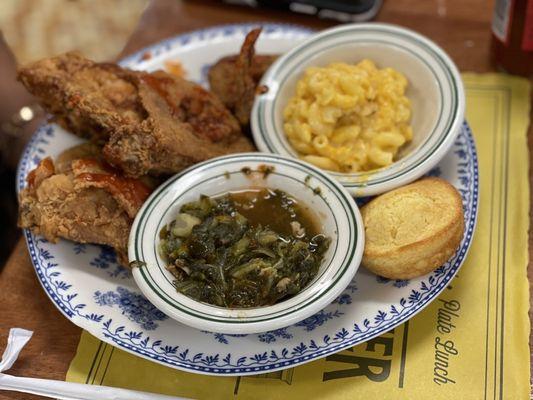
462, 28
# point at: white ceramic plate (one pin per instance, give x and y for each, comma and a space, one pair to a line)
90, 289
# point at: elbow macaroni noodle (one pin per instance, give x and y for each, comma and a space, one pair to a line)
349, 118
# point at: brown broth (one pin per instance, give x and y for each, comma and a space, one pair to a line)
274, 209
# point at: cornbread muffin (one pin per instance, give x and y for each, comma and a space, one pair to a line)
412, 230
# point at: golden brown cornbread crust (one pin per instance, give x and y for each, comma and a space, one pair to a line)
412, 230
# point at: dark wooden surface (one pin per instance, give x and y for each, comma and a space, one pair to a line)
462, 28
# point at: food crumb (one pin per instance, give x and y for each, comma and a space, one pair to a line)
246, 170
174, 67
266, 170
137, 264
146, 56
262, 89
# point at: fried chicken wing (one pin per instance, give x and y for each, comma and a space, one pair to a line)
86, 98
234, 78
80, 198
166, 144
149, 123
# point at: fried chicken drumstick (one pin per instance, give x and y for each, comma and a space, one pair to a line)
234, 78
149, 123
81, 198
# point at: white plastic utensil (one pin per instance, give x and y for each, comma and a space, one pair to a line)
57, 389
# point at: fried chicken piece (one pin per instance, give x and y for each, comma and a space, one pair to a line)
84, 97
152, 123
82, 199
165, 144
234, 79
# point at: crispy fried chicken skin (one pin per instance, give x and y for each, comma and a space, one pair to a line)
234, 78
81, 198
149, 123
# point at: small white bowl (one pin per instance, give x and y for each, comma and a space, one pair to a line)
335, 209
435, 90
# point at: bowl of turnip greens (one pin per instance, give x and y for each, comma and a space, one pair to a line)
246, 243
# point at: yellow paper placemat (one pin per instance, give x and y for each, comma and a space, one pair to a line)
471, 343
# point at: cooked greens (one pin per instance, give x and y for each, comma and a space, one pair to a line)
245, 249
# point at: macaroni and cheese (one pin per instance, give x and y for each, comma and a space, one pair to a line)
349, 118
